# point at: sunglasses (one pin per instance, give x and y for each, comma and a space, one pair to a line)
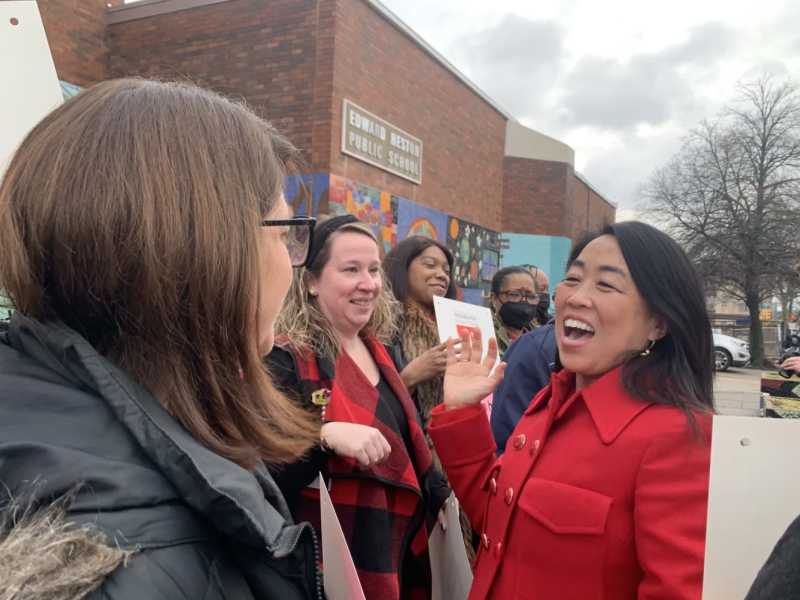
298, 238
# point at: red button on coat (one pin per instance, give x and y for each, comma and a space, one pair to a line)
493, 485
498, 551
485, 541
509, 496
519, 442
534, 447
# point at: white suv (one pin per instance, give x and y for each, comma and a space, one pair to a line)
730, 352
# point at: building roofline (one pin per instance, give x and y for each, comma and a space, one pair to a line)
401, 26
150, 8
595, 190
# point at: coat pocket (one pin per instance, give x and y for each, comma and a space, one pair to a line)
562, 534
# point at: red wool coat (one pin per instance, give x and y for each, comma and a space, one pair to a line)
598, 497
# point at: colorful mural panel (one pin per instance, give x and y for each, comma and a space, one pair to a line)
416, 219
297, 191
470, 296
468, 243
375, 208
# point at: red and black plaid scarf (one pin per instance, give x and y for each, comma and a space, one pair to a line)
381, 510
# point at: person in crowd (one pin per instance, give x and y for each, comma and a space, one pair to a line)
603, 491
419, 269
779, 578
147, 249
530, 361
514, 304
330, 357
543, 315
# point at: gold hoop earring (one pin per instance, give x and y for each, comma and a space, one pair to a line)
649, 347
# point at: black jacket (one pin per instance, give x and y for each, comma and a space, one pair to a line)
202, 527
779, 578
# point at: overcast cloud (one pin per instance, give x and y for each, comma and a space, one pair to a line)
620, 81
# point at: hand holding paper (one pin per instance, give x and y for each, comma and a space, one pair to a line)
469, 380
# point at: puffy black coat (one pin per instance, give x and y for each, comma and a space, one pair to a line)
202, 527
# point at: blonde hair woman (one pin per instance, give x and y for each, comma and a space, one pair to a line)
147, 249
330, 355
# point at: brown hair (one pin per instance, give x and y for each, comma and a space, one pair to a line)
132, 213
302, 321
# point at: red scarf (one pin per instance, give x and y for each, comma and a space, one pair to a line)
380, 510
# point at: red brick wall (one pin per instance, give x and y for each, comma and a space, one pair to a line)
381, 70
537, 197
76, 32
586, 201
276, 54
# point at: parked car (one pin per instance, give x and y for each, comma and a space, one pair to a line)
730, 352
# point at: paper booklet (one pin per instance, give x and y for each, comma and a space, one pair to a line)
452, 575
30, 84
339, 572
453, 317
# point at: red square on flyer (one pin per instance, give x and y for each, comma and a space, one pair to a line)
462, 328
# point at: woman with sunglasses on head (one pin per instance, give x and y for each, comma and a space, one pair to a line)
330, 357
514, 305
602, 492
147, 249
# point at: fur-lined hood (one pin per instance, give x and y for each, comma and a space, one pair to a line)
45, 557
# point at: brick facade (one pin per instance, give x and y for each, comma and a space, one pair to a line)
537, 197
379, 68
276, 54
76, 33
296, 61
590, 211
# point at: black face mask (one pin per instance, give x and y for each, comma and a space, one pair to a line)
518, 314
544, 304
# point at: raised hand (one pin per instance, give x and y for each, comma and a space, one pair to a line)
467, 379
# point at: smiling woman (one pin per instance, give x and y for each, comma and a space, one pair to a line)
330, 356
605, 479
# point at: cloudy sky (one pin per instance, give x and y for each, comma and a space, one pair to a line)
618, 80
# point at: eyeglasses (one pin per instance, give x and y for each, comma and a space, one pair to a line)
298, 238
519, 296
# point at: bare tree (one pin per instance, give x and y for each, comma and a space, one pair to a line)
731, 196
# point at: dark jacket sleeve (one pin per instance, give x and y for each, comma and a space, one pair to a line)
528, 370
293, 478
779, 578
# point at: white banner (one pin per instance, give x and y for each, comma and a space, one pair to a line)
30, 84
754, 495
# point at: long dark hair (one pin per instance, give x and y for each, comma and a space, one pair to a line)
399, 259
680, 369
133, 213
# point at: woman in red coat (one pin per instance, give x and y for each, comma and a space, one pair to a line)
602, 492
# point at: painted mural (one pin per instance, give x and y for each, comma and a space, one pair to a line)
297, 191
416, 219
393, 219
476, 252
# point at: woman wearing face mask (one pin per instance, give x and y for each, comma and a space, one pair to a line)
147, 248
514, 303
543, 316
603, 490
374, 456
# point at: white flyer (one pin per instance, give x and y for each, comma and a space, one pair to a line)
338, 570
754, 495
454, 317
30, 84
450, 568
